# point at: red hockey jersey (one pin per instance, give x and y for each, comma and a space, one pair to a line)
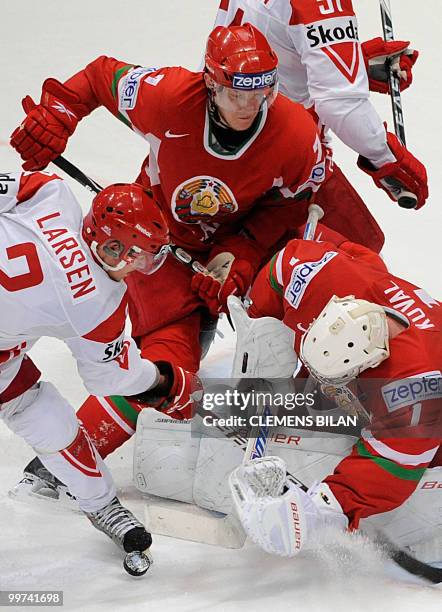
252, 188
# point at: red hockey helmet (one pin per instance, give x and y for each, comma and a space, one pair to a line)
240, 57
126, 221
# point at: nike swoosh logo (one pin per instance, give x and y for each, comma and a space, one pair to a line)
169, 134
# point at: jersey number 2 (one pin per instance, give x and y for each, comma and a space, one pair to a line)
33, 277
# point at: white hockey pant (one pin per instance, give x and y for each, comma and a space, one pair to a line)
48, 423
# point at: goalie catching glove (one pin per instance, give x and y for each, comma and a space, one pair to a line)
407, 175
177, 394
43, 134
277, 515
380, 56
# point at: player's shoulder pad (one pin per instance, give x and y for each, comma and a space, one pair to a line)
309, 11
17, 187
167, 80
293, 122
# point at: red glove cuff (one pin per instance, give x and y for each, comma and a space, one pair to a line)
376, 50
406, 171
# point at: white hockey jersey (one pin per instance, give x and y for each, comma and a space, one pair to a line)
320, 64
51, 286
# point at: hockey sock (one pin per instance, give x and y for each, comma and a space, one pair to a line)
109, 421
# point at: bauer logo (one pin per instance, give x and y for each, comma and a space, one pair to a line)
254, 81
336, 31
129, 87
301, 277
408, 391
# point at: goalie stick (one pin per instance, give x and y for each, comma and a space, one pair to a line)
180, 254
406, 199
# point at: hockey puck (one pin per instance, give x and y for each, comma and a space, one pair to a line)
136, 563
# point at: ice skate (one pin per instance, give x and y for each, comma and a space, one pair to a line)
38, 482
121, 526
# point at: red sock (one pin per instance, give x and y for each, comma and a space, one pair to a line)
109, 421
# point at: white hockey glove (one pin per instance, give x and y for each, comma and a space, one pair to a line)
276, 514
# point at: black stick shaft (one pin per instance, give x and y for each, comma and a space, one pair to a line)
74, 172
395, 91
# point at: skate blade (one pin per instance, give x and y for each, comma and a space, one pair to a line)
30, 489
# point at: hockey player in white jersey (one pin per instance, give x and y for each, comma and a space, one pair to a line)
323, 66
58, 278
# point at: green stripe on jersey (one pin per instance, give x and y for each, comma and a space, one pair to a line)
125, 408
272, 276
404, 473
114, 88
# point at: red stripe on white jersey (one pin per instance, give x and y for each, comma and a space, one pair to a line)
33, 182
112, 327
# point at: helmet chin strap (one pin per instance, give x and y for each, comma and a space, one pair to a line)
106, 267
214, 113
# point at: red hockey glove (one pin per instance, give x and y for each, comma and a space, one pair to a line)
406, 174
43, 134
178, 396
215, 292
377, 51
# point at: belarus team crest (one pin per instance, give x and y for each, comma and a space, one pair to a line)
202, 196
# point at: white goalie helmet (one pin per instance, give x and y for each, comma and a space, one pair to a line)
346, 338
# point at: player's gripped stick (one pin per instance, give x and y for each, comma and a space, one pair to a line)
406, 199
75, 173
315, 213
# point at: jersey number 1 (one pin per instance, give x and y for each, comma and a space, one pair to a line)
33, 277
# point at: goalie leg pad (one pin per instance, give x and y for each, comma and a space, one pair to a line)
165, 456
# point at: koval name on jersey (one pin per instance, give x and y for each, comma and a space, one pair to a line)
338, 30
418, 388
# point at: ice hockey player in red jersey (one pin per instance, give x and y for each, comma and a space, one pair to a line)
229, 162
323, 66
352, 318
58, 278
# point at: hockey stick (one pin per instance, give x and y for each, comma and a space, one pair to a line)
315, 213
180, 254
406, 199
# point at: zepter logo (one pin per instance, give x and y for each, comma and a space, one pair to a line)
203, 196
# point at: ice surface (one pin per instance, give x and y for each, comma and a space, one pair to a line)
42, 548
